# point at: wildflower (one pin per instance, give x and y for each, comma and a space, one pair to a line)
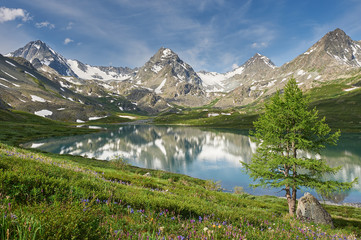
161, 229
205, 229
219, 226
214, 226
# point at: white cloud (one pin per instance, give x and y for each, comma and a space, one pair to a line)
70, 26
68, 40
45, 24
10, 14
259, 45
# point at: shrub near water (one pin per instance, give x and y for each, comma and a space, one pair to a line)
46, 196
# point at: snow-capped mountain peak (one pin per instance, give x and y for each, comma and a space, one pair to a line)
39, 54
167, 53
338, 45
219, 82
259, 61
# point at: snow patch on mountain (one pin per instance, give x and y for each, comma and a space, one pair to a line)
16, 85
350, 89
95, 118
10, 63
35, 98
30, 74
301, 72
3, 85
214, 82
156, 68
158, 90
90, 72
167, 53
43, 113
9, 75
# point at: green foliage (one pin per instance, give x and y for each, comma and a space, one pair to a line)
286, 129
238, 190
213, 185
119, 163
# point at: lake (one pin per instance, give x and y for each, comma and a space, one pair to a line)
202, 153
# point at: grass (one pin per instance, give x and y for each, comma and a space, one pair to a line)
338, 116
49, 196
221, 119
18, 127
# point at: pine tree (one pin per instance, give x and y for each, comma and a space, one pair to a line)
285, 132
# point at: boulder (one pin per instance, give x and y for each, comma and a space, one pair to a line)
309, 209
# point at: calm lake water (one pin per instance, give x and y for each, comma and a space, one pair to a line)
206, 154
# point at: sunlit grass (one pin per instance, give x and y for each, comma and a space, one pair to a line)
48, 196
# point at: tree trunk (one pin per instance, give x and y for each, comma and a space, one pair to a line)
291, 200
288, 191
292, 206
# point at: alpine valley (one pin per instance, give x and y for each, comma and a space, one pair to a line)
38, 80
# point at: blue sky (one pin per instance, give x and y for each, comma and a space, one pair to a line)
212, 35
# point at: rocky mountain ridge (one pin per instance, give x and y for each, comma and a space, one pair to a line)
334, 56
165, 80
41, 55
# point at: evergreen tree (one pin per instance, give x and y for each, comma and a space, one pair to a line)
286, 131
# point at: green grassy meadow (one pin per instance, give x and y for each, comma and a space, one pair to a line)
49, 196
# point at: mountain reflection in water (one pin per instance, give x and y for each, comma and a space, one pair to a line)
199, 153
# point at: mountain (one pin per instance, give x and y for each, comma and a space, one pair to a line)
165, 75
333, 57
256, 67
88, 72
169, 77
41, 55
166, 80
23, 88
333, 53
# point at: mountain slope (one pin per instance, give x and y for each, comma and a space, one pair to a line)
332, 54
333, 57
23, 88
255, 68
169, 77
41, 55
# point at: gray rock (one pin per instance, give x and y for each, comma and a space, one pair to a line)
309, 209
